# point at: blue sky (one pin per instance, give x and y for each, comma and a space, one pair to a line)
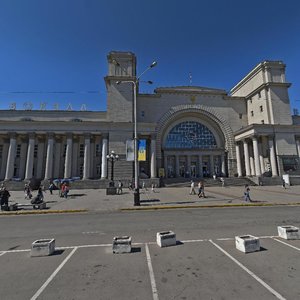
54, 51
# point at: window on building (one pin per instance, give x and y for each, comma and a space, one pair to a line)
190, 135
262, 121
241, 116
252, 113
142, 113
35, 152
18, 151
250, 100
1, 151
98, 170
81, 150
259, 95
81, 170
261, 108
65, 150
98, 150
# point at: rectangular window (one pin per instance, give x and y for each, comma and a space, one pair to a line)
261, 108
35, 150
252, 113
18, 151
241, 116
262, 121
81, 150
81, 170
98, 170
143, 113
98, 150
1, 151
65, 150
259, 95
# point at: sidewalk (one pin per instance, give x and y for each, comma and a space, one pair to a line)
163, 198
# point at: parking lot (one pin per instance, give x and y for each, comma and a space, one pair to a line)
193, 269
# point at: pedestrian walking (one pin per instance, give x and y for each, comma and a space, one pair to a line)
27, 191
201, 187
152, 187
4, 196
51, 188
283, 184
247, 193
120, 187
39, 198
192, 189
222, 181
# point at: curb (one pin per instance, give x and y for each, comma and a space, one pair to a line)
43, 212
208, 206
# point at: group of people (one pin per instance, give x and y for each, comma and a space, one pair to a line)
201, 192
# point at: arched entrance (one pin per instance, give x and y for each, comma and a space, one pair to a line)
208, 117
193, 148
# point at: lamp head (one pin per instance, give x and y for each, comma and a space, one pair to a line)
154, 63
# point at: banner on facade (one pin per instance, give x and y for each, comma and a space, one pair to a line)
142, 150
130, 150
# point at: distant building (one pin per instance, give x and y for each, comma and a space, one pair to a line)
190, 131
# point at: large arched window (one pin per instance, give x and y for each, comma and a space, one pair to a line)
190, 135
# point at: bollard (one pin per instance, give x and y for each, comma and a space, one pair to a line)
288, 232
122, 244
166, 238
247, 243
43, 247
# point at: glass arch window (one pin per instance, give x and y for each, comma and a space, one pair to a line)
190, 135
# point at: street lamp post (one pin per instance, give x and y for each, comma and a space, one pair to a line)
136, 163
112, 157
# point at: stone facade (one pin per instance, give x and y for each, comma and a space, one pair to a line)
190, 131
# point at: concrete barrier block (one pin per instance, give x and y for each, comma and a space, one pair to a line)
122, 244
43, 247
289, 232
247, 243
166, 238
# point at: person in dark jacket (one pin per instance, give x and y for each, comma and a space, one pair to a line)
4, 196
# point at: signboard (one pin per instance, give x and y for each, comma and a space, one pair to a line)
130, 150
161, 172
142, 150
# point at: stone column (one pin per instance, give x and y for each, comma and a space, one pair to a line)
40, 158
177, 165
256, 156
104, 159
11, 157
223, 168
75, 157
251, 157
30, 157
188, 163
87, 157
92, 158
261, 158
68, 158
298, 146
212, 165
49, 157
246, 154
153, 157
238, 160
273, 157
23, 159
57, 159
166, 165
200, 166
4, 160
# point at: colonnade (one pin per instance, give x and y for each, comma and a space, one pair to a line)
49, 155
187, 160
255, 157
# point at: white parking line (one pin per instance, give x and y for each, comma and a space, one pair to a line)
276, 294
152, 279
287, 244
42, 288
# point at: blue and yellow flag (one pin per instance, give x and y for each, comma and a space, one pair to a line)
142, 150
